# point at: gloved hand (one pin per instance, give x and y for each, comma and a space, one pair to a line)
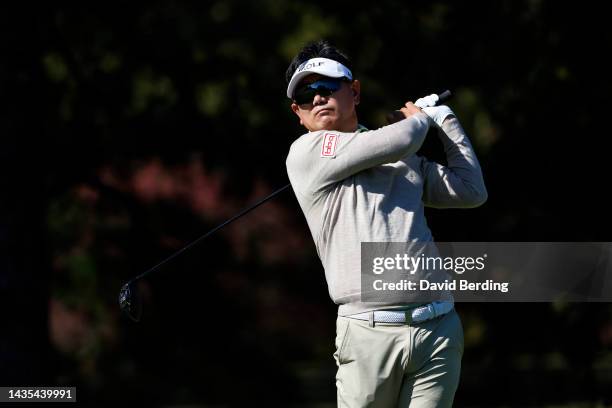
426, 101
437, 113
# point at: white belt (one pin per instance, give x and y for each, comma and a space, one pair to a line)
416, 315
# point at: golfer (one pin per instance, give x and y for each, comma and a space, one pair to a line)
357, 185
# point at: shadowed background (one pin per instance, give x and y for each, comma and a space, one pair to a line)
129, 130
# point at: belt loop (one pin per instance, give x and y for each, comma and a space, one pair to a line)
371, 319
408, 314
432, 309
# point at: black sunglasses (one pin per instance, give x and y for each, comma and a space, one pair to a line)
323, 87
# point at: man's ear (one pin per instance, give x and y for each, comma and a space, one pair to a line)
356, 88
295, 108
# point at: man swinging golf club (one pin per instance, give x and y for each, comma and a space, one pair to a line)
356, 185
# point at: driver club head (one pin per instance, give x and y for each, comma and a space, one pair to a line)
130, 302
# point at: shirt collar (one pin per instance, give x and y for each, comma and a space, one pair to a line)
361, 128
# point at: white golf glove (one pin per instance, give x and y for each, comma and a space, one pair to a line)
437, 113
426, 101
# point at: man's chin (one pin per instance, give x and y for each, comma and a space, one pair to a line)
327, 124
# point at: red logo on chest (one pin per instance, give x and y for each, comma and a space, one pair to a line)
329, 145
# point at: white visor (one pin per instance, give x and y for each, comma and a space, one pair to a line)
322, 66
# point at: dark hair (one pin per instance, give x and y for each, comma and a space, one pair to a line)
317, 49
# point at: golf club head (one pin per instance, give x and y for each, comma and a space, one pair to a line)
130, 302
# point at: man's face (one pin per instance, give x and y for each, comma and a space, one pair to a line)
333, 112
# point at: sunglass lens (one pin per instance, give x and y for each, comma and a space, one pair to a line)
323, 88
305, 95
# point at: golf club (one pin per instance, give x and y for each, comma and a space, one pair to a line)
130, 302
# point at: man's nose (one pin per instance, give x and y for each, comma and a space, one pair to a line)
319, 100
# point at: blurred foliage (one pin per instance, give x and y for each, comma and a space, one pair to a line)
140, 127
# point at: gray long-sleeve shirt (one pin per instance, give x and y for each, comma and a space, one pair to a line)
370, 186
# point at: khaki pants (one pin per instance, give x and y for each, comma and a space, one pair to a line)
397, 365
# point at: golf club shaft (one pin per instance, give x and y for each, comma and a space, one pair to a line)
212, 231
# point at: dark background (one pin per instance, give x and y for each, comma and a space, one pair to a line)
128, 130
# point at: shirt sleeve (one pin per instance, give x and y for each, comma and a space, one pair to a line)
460, 184
320, 159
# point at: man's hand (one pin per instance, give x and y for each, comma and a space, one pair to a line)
425, 101
437, 113
410, 109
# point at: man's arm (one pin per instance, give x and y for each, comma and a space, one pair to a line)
320, 159
459, 184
